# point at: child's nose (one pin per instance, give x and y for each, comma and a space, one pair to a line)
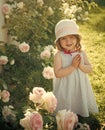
68, 39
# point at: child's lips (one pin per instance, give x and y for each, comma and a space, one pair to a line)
69, 45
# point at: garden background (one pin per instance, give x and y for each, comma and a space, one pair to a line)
31, 24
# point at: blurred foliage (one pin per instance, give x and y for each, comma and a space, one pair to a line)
94, 46
99, 2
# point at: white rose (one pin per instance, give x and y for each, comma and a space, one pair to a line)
40, 2
20, 5
3, 60
24, 47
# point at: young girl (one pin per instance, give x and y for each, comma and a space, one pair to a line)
71, 85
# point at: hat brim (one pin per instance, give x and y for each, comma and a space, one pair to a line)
66, 35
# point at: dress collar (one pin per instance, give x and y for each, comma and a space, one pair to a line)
69, 52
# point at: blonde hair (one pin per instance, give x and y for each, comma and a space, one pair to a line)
78, 45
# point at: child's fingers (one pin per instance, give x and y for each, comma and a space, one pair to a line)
77, 58
76, 61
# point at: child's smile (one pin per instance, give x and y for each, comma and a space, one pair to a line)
68, 45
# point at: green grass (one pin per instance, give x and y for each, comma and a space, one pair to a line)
93, 40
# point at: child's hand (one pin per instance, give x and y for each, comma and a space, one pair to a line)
76, 61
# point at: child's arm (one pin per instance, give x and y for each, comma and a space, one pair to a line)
86, 67
59, 70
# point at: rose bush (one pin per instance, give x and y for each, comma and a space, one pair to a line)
43, 115
8, 117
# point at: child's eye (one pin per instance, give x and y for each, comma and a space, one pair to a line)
63, 38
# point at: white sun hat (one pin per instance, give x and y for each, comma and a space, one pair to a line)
66, 27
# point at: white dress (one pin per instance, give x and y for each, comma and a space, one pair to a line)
74, 92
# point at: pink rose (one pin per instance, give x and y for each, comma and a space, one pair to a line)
60, 119
69, 121
6, 8
36, 95
45, 54
50, 102
5, 95
24, 47
48, 73
3, 60
66, 120
36, 121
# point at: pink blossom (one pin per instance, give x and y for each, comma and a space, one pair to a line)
66, 120
45, 54
69, 121
48, 72
50, 102
6, 8
5, 95
24, 47
36, 95
36, 121
3, 60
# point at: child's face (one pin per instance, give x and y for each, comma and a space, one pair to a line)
68, 42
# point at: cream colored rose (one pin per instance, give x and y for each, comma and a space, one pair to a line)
25, 122
60, 119
24, 47
45, 54
36, 95
3, 60
50, 102
5, 95
66, 120
20, 5
48, 73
